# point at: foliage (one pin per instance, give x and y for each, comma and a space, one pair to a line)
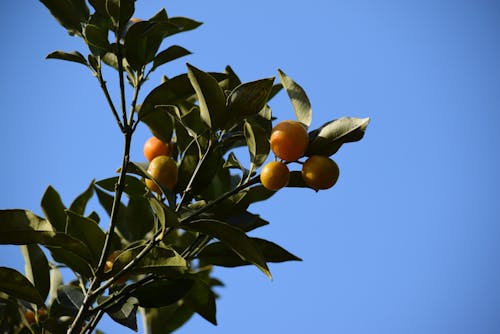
165, 244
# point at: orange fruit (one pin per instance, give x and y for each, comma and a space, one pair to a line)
274, 175
164, 170
289, 140
154, 147
30, 316
320, 172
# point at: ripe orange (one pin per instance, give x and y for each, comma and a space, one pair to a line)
154, 147
164, 170
30, 316
320, 172
274, 175
289, 140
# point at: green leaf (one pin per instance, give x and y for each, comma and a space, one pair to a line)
86, 230
162, 292
327, 139
168, 318
73, 56
120, 11
56, 280
232, 80
133, 186
80, 203
258, 144
161, 260
210, 96
298, 97
106, 201
15, 284
96, 36
36, 268
234, 238
70, 13
70, 297
172, 53
220, 254
182, 24
202, 300
248, 99
139, 220
125, 313
246, 221
136, 44
54, 209
99, 6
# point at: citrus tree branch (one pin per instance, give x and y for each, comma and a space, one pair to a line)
104, 88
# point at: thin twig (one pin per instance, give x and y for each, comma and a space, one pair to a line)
104, 88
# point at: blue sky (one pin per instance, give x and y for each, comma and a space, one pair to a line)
408, 241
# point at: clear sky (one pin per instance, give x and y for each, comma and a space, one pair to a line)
409, 239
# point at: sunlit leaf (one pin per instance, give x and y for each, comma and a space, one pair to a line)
15, 284
327, 139
210, 96
298, 97
36, 268
258, 144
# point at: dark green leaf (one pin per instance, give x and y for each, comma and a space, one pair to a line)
139, 219
299, 99
210, 96
99, 6
70, 297
36, 268
73, 56
80, 203
168, 318
133, 186
160, 123
125, 313
15, 284
234, 238
296, 180
160, 260
54, 209
120, 11
172, 53
86, 230
96, 36
258, 144
220, 254
106, 200
327, 139
248, 99
246, 221
202, 300
232, 80
182, 24
136, 44
70, 13
162, 292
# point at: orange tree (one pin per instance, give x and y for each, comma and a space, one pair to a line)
162, 240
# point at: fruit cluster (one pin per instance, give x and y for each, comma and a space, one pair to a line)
161, 165
289, 141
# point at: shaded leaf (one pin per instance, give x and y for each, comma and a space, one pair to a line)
327, 139
202, 300
70, 13
139, 220
234, 238
221, 255
246, 221
182, 24
125, 313
168, 318
70, 297
133, 186
36, 268
88, 232
120, 11
54, 209
258, 144
96, 36
162, 292
211, 98
80, 203
15, 284
298, 97
172, 53
73, 56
